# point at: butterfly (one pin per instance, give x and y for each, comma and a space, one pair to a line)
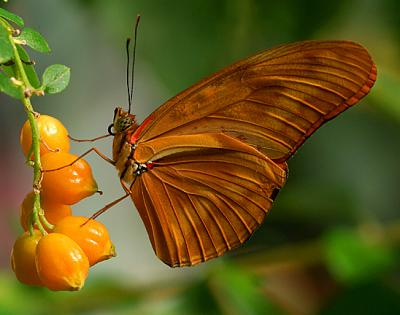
204, 168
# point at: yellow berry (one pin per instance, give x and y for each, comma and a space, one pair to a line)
91, 235
61, 264
53, 211
23, 258
70, 184
53, 135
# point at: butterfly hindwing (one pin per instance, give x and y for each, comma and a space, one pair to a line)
207, 194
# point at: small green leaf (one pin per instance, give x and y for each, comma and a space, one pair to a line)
7, 87
9, 70
29, 69
56, 78
353, 259
6, 49
34, 40
12, 17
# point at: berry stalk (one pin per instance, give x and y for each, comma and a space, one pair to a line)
37, 173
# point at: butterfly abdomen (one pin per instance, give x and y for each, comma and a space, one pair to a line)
123, 157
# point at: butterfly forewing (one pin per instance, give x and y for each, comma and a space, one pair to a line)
218, 149
273, 100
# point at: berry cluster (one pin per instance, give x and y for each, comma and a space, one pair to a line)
58, 255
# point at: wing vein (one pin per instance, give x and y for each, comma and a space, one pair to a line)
324, 65
292, 78
228, 188
179, 224
189, 197
214, 218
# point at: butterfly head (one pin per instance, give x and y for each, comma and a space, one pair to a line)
121, 122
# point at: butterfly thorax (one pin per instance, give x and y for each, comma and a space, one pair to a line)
124, 125
122, 155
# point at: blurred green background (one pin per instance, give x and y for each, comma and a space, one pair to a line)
331, 242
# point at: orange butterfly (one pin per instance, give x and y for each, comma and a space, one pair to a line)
204, 168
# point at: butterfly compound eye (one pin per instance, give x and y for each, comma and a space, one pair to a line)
110, 128
123, 123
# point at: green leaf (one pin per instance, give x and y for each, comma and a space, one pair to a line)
56, 78
29, 69
9, 70
34, 40
6, 49
12, 17
353, 259
7, 87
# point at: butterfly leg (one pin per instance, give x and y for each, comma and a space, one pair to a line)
30, 152
94, 149
89, 140
111, 204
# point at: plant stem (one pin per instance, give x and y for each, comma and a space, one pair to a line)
37, 173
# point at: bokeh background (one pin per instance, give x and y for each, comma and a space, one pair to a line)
331, 242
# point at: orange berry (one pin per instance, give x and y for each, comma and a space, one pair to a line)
53, 211
69, 184
23, 258
60, 262
53, 135
92, 236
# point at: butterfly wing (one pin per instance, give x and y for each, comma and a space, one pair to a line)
219, 148
274, 100
204, 195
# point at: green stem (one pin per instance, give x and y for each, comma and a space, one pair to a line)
37, 173
44, 221
21, 70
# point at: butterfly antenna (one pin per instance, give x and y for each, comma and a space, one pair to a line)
130, 89
128, 42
